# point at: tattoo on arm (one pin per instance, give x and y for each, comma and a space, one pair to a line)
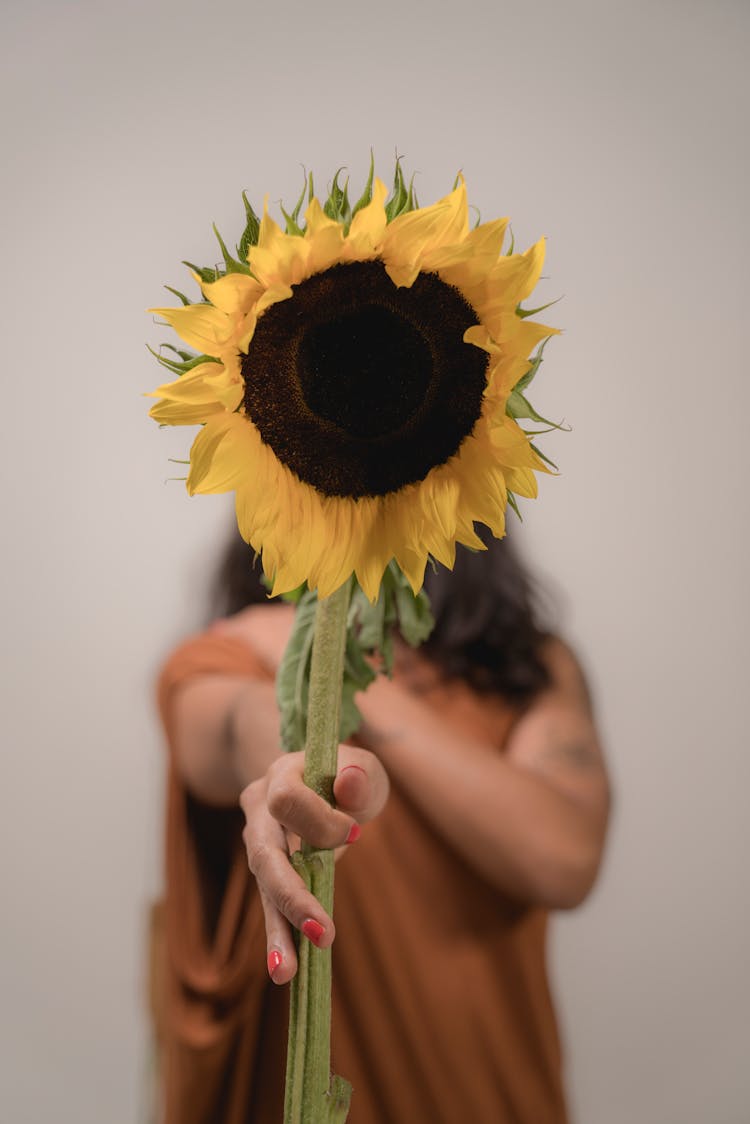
578, 752
578, 749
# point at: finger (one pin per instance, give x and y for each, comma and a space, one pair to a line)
269, 862
361, 785
281, 955
302, 811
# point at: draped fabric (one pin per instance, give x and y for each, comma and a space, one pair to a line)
441, 1006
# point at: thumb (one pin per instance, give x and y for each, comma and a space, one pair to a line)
361, 785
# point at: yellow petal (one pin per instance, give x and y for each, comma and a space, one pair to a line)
191, 387
456, 223
227, 382
219, 456
278, 258
375, 553
325, 249
184, 413
530, 333
470, 262
233, 294
522, 481
533, 260
316, 220
368, 225
200, 325
408, 237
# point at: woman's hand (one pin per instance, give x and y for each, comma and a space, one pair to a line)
280, 809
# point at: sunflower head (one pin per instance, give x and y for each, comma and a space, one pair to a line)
358, 375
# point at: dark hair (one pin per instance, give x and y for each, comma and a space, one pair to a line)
487, 627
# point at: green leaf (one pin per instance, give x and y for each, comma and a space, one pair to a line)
293, 678
368, 619
370, 633
415, 620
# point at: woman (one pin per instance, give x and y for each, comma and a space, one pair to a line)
497, 813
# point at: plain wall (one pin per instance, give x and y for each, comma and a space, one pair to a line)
619, 130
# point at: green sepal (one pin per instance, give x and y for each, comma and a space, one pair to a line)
185, 356
541, 456
337, 206
412, 203
524, 313
291, 224
399, 195
366, 196
518, 406
535, 364
512, 246
294, 596
207, 274
178, 294
513, 502
231, 264
185, 365
251, 232
292, 220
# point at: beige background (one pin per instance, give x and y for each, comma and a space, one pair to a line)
617, 129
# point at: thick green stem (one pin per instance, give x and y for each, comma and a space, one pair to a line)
312, 1096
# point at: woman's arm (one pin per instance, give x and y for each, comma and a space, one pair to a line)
532, 820
226, 734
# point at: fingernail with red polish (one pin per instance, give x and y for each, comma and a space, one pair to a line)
349, 768
274, 961
313, 930
354, 833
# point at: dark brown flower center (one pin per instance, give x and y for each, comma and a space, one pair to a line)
361, 387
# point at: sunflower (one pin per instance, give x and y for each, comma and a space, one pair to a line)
357, 377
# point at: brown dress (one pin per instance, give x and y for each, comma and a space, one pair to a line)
441, 1006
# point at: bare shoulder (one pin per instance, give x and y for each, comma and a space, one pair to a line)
567, 677
557, 736
264, 628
